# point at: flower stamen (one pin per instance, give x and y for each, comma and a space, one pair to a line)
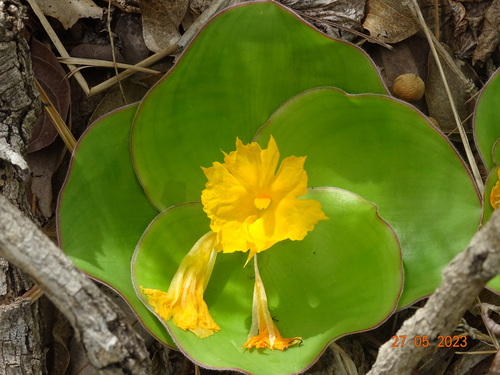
262, 202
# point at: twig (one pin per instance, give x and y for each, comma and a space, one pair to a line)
113, 54
58, 122
463, 279
215, 6
127, 73
57, 43
112, 346
104, 64
465, 141
437, 31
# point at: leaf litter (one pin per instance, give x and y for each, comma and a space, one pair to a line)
469, 36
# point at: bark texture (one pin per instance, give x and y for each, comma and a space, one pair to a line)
463, 279
21, 327
112, 346
19, 104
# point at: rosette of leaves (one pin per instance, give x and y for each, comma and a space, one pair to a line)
395, 190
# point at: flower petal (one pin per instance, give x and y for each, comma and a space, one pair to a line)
184, 300
251, 165
495, 194
250, 207
263, 332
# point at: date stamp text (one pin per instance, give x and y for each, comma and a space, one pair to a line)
424, 341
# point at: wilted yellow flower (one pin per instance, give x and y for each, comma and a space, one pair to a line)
495, 193
263, 332
184, 299
251, 206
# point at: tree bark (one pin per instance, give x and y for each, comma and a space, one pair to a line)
21, 327
19, 104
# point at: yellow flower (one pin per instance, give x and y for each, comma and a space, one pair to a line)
251, 206
263, 333
184, 299
495, 193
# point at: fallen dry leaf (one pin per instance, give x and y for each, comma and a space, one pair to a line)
52, 78
390, 21
129, 32
489, 39
113, 99
61, 333
160, 22
43, 163
467, 18
332, 17
408, 56
69, 11
478, 363
462, 90
97, 52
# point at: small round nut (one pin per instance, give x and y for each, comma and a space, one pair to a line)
408, 87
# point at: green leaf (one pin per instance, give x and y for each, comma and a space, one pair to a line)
486, 129
103, 211
496, 152
243, 65
333, 282
488, 211
388, 153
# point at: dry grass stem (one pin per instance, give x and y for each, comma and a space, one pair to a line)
432, 43
215, 6
33, 294
58, 122
127, 73
478, 352
57, 43
113, 54
437, 30
88, 63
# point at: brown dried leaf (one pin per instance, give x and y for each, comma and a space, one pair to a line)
80, 364
43, 163
129, 31
160, 22
97, 52
390, 21
408, 56
490, 36
327, 14
114, 99
462, 90
61, 334
467, 17
459, 16
69, 11
471, 364
52, 78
